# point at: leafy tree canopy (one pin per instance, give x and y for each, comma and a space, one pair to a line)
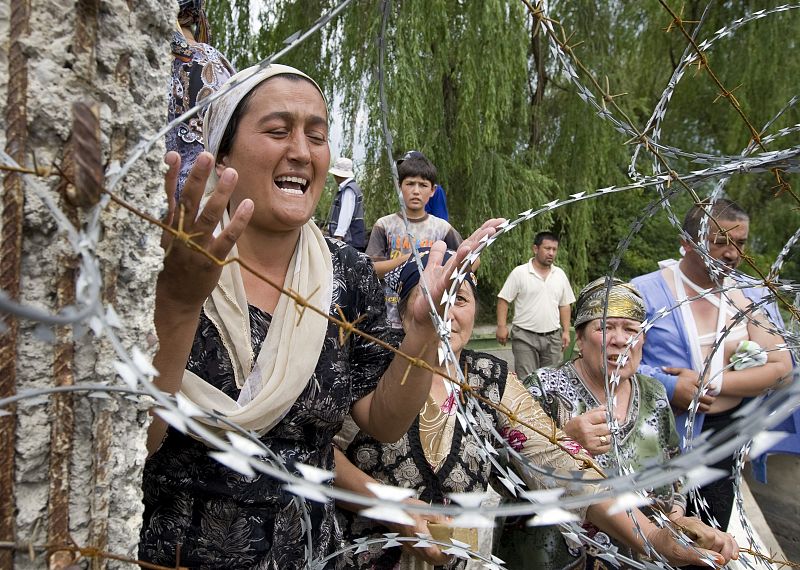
474, 86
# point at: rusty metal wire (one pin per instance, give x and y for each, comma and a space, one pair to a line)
10, 255
133, 368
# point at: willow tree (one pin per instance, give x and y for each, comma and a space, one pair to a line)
473, 85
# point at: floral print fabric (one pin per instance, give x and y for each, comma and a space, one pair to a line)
223, 519
438, 456
198, 70
404, 463
648, 434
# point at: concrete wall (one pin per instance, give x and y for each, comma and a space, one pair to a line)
115, 53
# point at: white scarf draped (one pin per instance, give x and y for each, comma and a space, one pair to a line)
716, 366
270, 386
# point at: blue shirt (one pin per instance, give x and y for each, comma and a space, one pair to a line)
667, 345
437, 205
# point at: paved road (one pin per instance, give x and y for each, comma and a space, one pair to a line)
779, 501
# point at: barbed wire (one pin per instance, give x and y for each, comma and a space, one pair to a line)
620, 250
245, 452
658, 162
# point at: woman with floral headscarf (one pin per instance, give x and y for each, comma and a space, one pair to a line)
232, 343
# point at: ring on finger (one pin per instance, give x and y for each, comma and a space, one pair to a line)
603, 440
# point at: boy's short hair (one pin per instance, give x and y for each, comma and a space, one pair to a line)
417, 165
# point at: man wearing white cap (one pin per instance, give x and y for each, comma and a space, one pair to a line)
346, 219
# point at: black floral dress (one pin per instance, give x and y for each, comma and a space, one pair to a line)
223, 519
198, 71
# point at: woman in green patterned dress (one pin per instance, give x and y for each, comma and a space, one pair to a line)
574, 395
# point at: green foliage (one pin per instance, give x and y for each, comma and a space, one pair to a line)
230, 25
474, 87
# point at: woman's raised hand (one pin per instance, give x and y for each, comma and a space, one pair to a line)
437, 275
189, 276
488, 229
591, 431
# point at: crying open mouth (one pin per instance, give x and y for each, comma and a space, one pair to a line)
292, 184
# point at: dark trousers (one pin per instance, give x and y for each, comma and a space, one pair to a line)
720, 494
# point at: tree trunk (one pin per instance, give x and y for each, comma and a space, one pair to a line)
537, 92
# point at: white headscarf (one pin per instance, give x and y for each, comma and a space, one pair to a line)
219, 113
270, 385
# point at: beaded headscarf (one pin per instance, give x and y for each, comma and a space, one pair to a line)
624, 301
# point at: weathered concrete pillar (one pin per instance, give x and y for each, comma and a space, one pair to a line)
73, 470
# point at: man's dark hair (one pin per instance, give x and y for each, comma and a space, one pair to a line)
417, 166
722, 209
541, 236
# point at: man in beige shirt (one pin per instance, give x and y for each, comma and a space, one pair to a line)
542, 295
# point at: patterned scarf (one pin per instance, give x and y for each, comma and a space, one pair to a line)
191, 13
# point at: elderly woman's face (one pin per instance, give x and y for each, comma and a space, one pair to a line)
281, 153
618, 331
